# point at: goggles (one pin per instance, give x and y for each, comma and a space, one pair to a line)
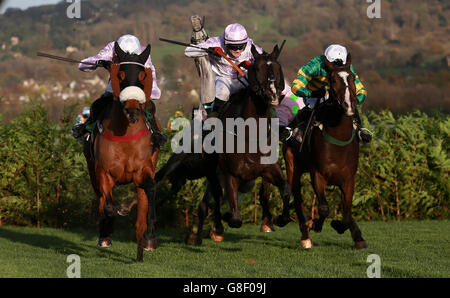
236, 47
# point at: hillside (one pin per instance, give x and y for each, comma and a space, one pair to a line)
402, 58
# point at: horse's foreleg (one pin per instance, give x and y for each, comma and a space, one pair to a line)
141, 222
106, 209
299, 206
347, 221
232, 185
150, 234
320, 185
275, 176
264, 195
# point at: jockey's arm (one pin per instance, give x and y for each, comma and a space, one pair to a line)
106, 53
304, 76
156, 92
361, 92
192, 52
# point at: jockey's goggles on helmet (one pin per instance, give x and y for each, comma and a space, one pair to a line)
236, 47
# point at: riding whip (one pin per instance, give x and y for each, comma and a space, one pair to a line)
63, 59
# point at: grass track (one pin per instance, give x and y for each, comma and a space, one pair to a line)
406, 249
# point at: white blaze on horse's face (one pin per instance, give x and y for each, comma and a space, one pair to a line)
344, 76
272, 88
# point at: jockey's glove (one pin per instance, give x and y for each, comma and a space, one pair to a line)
104, 63
215, 51
245, 64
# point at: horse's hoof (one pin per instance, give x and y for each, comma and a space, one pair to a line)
317, 227
123, 211
150, 245
266, 228
361, 245
104, 242
338, 226
281, 221
216, 237
307, 243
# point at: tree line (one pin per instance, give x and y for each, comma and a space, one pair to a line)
402, 174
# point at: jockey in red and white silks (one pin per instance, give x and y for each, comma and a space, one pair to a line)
128, 43
236, 44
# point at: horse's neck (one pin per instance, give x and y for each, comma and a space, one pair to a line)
343, 130
117, 122
255, 109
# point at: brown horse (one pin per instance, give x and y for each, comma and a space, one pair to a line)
331, 158
256, 102
122, 152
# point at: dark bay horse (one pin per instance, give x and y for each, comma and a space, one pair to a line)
122, 152
331, 158
266, 82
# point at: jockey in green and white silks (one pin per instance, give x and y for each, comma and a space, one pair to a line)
312, 85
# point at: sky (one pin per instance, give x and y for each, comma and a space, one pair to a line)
23, 4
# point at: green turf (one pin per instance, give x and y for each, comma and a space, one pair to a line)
406, 249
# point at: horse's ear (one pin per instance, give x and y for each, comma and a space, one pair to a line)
115, 82
349, 61
144, 55
147, 81
254, 51
275, 53
119, 52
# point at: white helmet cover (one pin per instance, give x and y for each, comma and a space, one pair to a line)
130, 44
235, 34
336, 51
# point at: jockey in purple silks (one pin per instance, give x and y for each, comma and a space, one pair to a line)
131, 45
236, 44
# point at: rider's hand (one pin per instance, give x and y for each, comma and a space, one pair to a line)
215, 51
318, 93
245, 64
104, 63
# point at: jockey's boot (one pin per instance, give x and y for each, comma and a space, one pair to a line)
291, 137
79, 130
363, 133
158, 137
199, 34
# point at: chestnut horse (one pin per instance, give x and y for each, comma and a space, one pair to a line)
122, 152
331, 157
